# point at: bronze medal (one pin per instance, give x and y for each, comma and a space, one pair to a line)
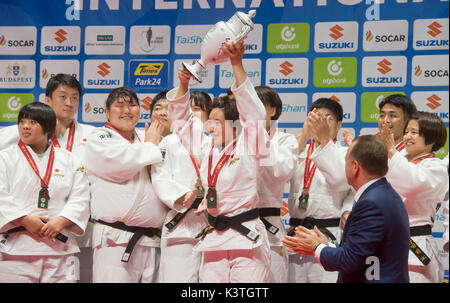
43, 198
200, 189
303, 200
211, 197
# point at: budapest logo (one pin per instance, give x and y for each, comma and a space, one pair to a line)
60, 35
336, 32
87, 108
434, 29
103, 69
45, 74
286, 68
417, 71
146, 102
434, 102
384, 66
2, 40
369, 36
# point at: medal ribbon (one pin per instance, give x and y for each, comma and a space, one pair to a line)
212, 179
69, 140
48, 173
400, 146
431, 155
110, 126
309, 171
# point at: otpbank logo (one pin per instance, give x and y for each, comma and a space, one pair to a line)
287, 72
10, 105
288, 37
432, 101
60, 40
389, 71
103, 73
370, 105
389, 35
335, 72
430, 70
336, 37
431, 34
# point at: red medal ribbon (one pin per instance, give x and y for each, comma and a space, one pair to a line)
430, 155
48, 173
309, 171
69, 140
110, 126
212, 179
400, 146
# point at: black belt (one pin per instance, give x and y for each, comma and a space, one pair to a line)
310, 222
222, 222
137, 231
59, 236
180, 216
414, 231
269, 212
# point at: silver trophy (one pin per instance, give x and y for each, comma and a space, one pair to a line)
235, 29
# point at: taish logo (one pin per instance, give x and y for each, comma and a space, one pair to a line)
148, 69
434, 102
103, 69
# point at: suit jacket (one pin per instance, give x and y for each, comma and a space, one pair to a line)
377, 227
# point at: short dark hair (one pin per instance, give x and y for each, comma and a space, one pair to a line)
371, 153
61, 79
333, 106
42, 114
120, 92
269, 97
202, 100
408, 107
228, 105
432, 128
159, 96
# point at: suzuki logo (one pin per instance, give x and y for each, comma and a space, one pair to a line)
146, 103
285, 209
103, 69
286, 68
434, 102
434, 29
60, 36
334, 98
336, 32
384, 66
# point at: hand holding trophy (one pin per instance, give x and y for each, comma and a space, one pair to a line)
235, 29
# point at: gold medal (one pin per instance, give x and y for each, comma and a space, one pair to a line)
200, 189
211, 197
303, 200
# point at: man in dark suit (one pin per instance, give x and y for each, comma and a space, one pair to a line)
375, 242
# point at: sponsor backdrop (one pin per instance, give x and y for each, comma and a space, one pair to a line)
354, 51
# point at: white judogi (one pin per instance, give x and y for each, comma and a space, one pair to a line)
270, 190
172, 178
121, 191
19, 191
329, 197
421, 186
229, 256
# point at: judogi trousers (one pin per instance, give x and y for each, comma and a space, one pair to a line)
142, 267
38, 269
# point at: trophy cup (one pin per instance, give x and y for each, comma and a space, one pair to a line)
235, 29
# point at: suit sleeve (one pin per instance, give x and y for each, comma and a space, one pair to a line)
364, 235
166, 188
